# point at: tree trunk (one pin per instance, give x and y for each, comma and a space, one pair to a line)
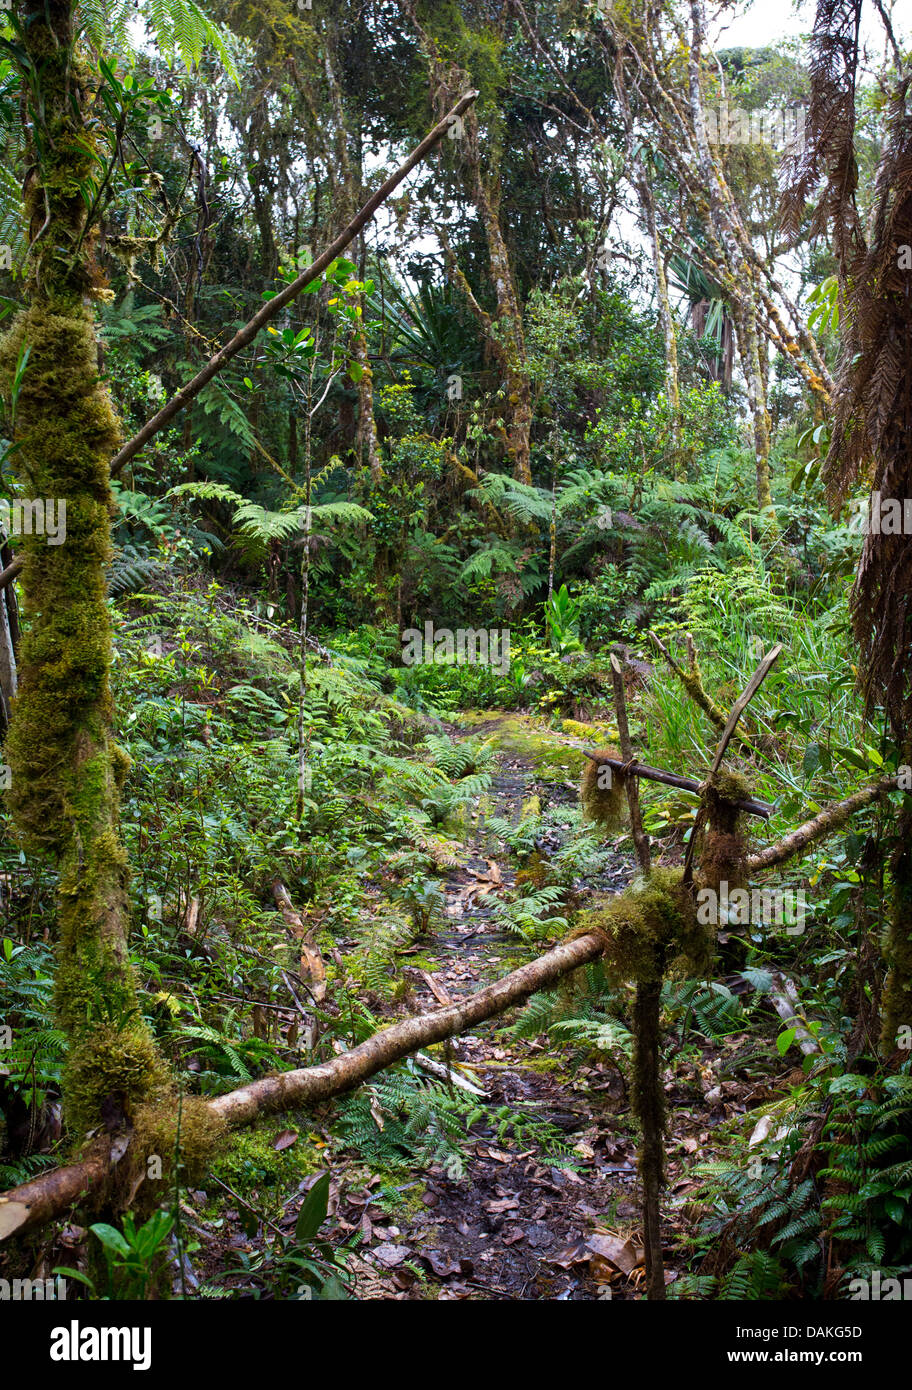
66, 768
647, 1104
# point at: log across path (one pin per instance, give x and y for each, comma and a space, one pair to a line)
52, 1194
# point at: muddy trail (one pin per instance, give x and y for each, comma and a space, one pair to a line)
528, 1218
538, 1196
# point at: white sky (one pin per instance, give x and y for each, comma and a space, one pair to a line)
763, 22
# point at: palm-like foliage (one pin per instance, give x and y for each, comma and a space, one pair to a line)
708, 312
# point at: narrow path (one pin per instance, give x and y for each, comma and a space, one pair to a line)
518, 1225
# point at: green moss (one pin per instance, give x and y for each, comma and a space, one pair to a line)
693, 683
605, 805
251, 1161
65, 765
727, 785
724, 843
111, 1062
649, 926
155, 1144
594, 734
527, 739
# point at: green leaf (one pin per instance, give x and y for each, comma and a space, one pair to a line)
313, 1211
811, 760
784, 1041
110, 1238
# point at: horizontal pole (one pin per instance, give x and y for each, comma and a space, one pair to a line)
750, 805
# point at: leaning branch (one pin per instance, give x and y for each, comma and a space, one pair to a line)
51, 1195
274, 306
824, 823
12, 570
692, 681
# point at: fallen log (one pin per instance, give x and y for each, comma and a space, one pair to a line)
52, 1194
786, 1001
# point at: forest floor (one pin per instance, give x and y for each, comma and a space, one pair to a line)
543, 1202
515, 1226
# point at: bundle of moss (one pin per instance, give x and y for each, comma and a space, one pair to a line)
649, 927
603, 792
725, 843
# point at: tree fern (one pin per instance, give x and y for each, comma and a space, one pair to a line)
182, 30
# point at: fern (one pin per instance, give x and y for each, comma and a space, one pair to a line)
521, 501
181, 29
130, 570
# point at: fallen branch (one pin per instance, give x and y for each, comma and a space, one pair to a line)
52, 1194
448, 1074
751, 805
824, 823
274, 306
311, 960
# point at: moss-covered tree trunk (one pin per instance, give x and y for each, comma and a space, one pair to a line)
66, 766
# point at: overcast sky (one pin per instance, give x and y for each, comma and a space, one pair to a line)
762, 22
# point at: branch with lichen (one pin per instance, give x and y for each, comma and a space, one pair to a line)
824, 823
692, 681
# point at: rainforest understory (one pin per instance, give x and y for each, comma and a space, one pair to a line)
456, 799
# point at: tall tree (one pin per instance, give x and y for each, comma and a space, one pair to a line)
67, 768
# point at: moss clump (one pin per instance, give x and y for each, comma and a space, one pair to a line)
726, 785
692, 682
593, 733
115, 1064
601, 803
251, 1162
156, 1142
649, 926
725, 843
534, 871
